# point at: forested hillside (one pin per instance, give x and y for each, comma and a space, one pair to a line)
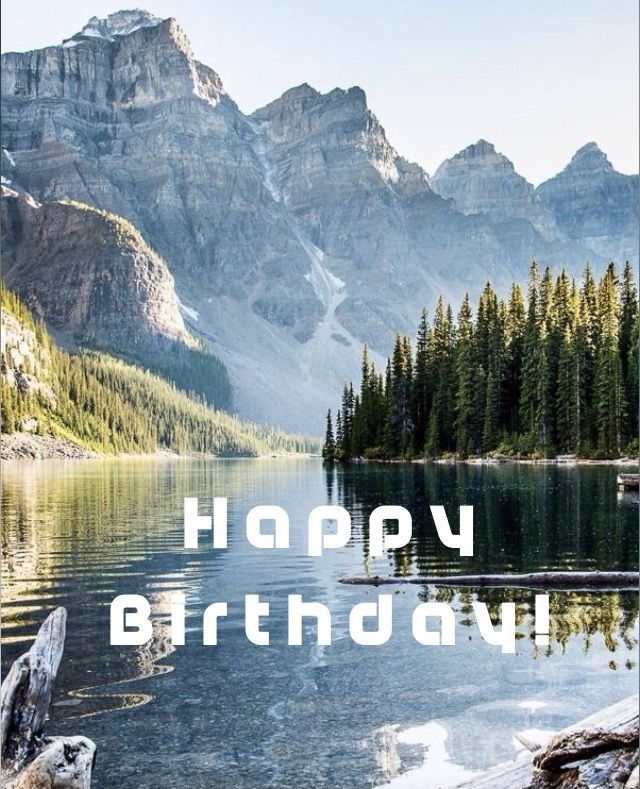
111, 407
553, 371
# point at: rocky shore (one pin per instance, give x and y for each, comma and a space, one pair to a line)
29, 446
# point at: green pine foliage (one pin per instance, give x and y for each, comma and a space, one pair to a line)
329, 446
552, 372
113, 407
193, 370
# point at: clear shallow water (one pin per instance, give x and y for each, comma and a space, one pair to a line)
245, 717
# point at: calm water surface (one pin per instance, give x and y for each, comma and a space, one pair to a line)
238, 716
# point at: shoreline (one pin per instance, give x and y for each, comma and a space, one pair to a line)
492, 461
29, 446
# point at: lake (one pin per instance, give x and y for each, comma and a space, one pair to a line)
240, 716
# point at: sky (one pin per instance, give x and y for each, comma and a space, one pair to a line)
538, 78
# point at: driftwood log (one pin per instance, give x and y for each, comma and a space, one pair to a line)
602, 751
545, 580
28, 759
628, 481
599, 752
573, 746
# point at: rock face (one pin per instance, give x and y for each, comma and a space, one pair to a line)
588, 203
595, 205
293, 234
481, 180
89, 274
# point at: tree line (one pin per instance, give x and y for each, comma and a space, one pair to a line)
552, 371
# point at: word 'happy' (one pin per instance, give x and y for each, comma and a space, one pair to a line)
318, 537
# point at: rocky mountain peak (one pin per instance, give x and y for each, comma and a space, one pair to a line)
595, 204
128, 60
303, 98
325, 120
482, 155
333, 126
478, 149
303, 91
482, 180
590, 158
120, 23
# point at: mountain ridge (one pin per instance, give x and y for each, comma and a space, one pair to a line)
293, 234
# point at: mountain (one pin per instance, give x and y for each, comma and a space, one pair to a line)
595, 205
293, 234
89, 273
588, 203
56, 404
96, 282
480, 180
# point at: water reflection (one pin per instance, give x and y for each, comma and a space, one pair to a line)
526, 517
239, 716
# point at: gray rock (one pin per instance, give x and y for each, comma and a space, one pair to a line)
90, 274
482, 181
63, 763
595, 205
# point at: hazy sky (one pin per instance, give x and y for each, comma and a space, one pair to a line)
538, 78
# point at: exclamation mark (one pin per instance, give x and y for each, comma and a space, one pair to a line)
542, 620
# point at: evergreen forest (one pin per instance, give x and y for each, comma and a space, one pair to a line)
548, 371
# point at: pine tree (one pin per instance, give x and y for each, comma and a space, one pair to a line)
490, 351
634, 380
366, 427
465, 367
627, 342
421, 396
531, 349
609, 396
340, 450
358, 435
441, 362
565, 411
547, 370
329, 446
514, 349
561, 349
348, 414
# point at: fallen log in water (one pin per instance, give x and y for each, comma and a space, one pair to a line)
575, 581
28, 759
600, 751
628, 481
